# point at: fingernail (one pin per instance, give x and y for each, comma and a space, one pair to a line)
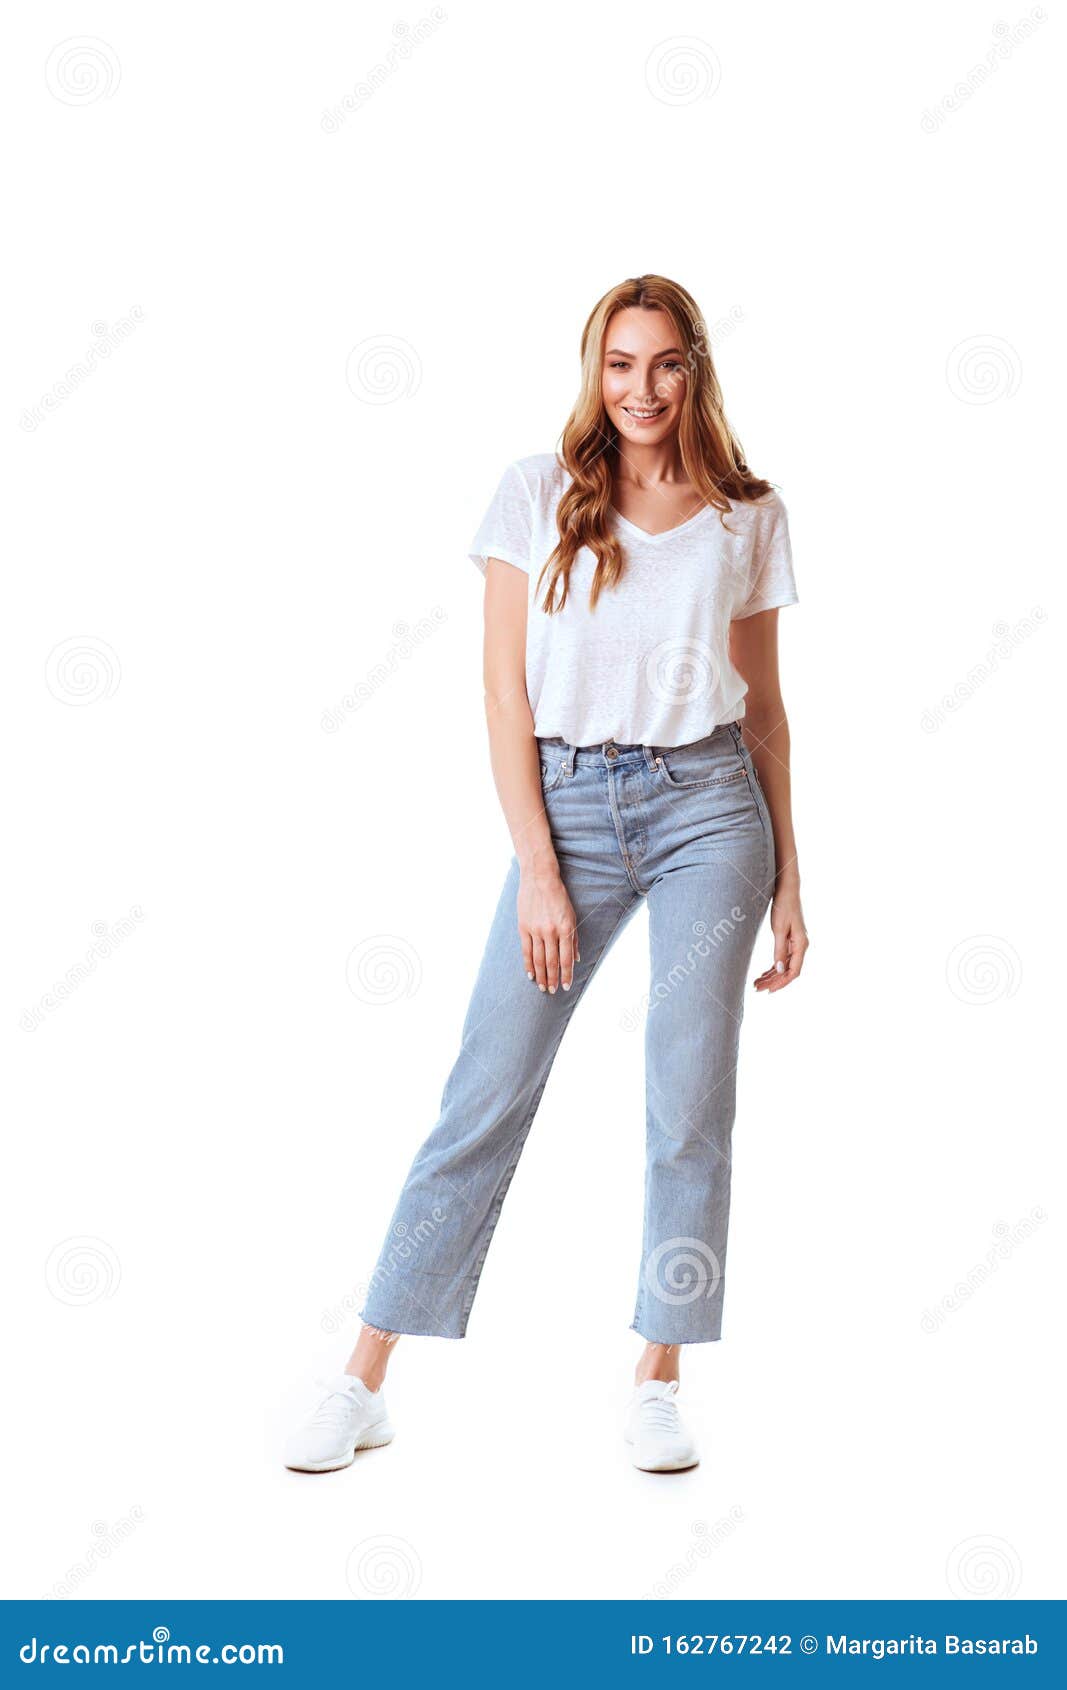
529, 976
779, 968
566, 985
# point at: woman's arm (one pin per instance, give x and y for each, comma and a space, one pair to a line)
547, 927
754, 654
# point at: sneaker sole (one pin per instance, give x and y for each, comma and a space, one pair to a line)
668, 1466
663, 1466
376, 1439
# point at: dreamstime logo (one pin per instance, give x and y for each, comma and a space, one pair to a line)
1007, 1241
983, 969
708, 1539
332, 1320
983, 369
1008, 638
679, 670
383, 969
107, 337
107, 936
704, 340
105, 1540
82, 70
382, 369
681, 70
405, 40
82, 1270
1007, 37
405, 1242
682, 1270
407, 641
724, 327
701, 348
983, 1566
82, 670
383, 1567
161, 1649
706, 939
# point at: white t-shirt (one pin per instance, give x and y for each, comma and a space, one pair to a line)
651, 664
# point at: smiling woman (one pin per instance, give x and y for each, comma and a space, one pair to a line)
632, 589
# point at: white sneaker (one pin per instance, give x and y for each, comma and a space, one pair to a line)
348, 1418
661, 1443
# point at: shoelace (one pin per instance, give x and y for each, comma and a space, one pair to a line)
660, 1414
334, 1406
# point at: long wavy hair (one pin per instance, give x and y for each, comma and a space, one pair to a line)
710, 451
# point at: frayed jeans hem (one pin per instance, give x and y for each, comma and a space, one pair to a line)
408, 1328
675, 1343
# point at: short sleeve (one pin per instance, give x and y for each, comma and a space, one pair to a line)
771, 583
506, 528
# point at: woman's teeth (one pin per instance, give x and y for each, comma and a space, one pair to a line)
644, 416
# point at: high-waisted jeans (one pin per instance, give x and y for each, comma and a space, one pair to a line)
687, 828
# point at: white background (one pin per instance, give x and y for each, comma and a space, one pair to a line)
207, 1134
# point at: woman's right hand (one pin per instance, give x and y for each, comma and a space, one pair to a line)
548, 929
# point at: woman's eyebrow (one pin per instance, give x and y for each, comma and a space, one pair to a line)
617, 352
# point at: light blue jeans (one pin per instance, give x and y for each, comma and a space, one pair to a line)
687, 828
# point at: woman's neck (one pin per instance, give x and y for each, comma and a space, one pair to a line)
649, 466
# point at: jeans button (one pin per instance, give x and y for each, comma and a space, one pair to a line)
611, 752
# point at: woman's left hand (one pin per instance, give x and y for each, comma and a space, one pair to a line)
790, 941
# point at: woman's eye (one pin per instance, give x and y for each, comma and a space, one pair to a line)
668, 364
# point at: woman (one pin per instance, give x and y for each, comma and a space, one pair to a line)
631, 609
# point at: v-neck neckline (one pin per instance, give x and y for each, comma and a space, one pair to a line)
665, 533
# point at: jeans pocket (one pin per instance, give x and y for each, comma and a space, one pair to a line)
715, 761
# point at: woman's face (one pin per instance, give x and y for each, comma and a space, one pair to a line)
644, 375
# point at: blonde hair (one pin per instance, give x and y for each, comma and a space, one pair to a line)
711, 454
